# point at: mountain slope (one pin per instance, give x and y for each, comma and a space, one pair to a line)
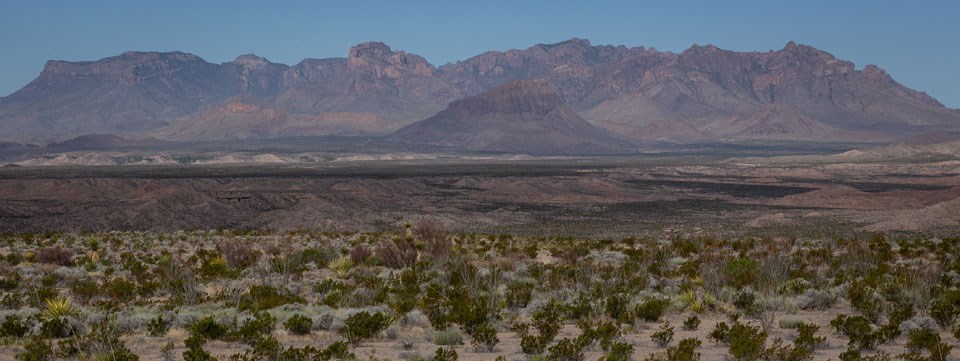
127, 93
397, 86
798, 92
524, 116
701, 94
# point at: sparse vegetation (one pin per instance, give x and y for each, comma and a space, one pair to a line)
238, 288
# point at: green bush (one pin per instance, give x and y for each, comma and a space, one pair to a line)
616, 308
946, 308
663, 336
85, 290
746, 342
743, 342
59, 327
566, 350
253, 329
213, 266
158, 326
484, 338
862, 298
445, 354
363, 325
405, 290
691, 323
923, 339
852, 354
651, 309
806, 336
720, 333
747, 302
208, 329
858, 330
605, 332
337, 351
518, 294
685, 350
195, 351
793, 287
13, 326
741, 272
619, 351
36, 349
261, 297
532, 344
779, 351
102, 342
262, 348
10, 282
299, 324
547, 320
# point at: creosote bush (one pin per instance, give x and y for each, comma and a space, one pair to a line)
685, 350
663, 336
484, 338
363, 325
651, 309
262, 297
692, 323
299, 324
158, 326
923, 340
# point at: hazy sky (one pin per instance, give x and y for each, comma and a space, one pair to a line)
915, 41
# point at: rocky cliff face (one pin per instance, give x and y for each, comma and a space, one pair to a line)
701, 94
523, 116
127, 93
395, 86
798, 92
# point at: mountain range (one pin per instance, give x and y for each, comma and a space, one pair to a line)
587, 94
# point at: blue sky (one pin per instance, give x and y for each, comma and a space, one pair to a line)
916, 41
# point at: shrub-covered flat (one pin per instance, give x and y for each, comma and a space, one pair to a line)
420, 293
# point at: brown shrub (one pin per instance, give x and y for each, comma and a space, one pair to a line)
397, 253
435, 240
359, 254
55, 255
238, 254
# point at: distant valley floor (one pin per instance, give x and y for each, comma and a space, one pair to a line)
600, 196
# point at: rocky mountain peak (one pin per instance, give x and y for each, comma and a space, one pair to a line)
251, 61
377, 59
791, 46
697, 49
573, 42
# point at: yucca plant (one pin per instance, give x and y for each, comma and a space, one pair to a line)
58, 308
55, 318
698, 302
341, 266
